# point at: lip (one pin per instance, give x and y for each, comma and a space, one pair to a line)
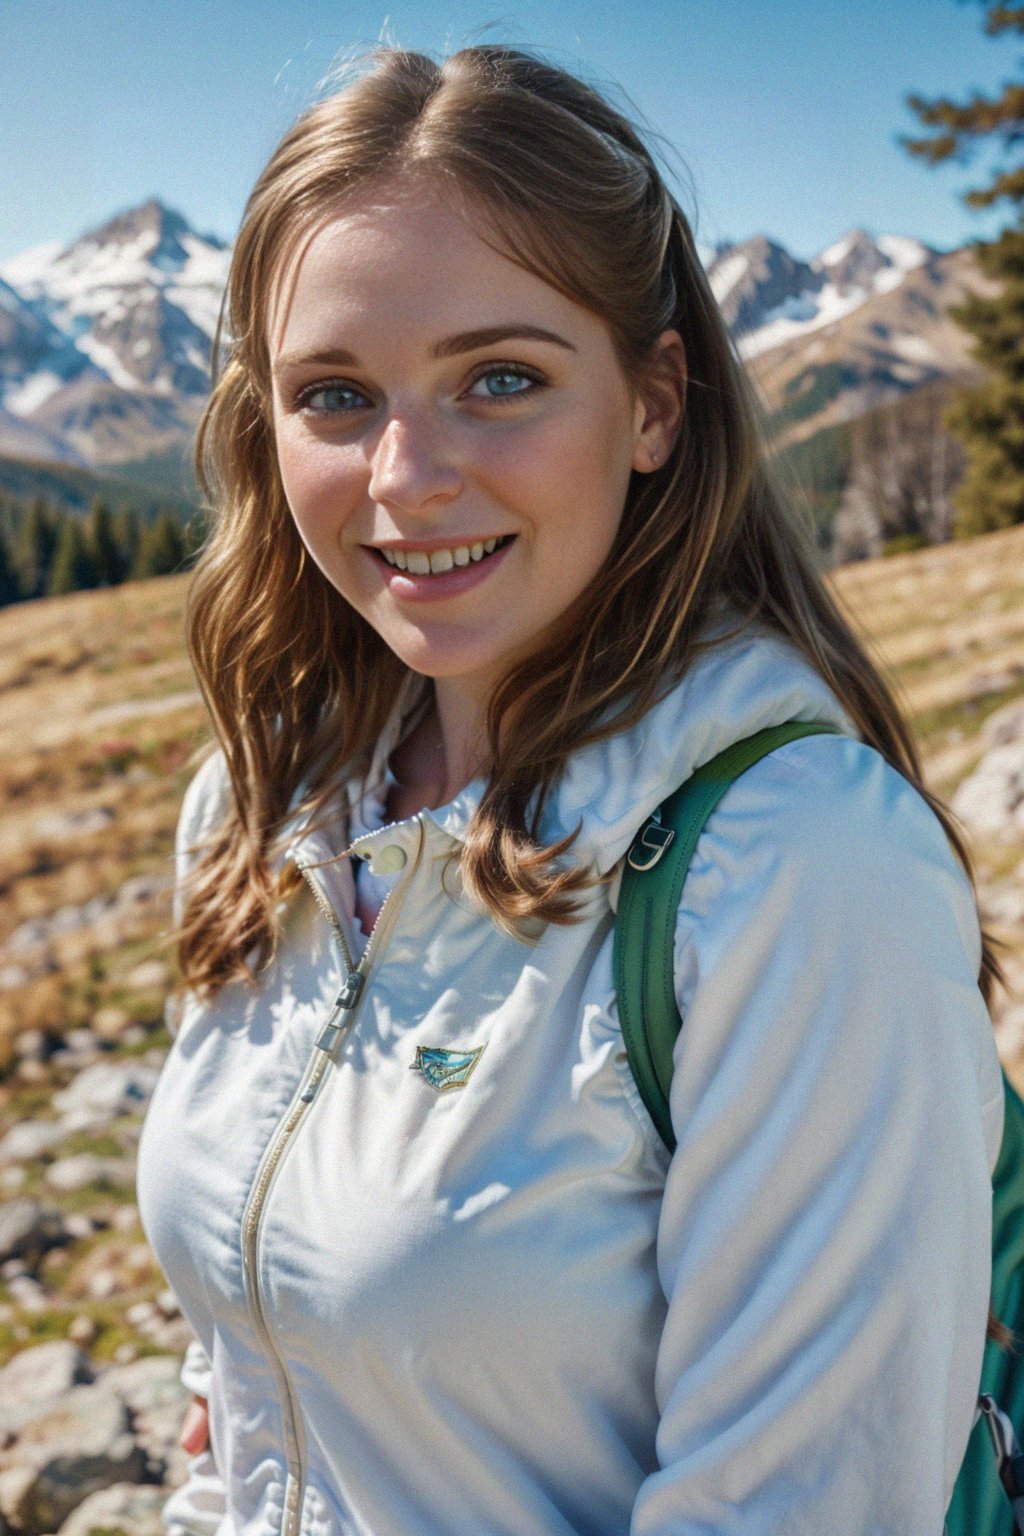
425, 589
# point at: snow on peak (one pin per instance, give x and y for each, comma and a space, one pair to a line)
903, 252
727, 272
854, 241
25, 270
113, 266
848, 273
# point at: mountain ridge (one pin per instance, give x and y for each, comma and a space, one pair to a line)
105, 342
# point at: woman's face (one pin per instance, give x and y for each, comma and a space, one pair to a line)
455, 437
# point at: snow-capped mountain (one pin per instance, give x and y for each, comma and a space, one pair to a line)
768, 297
104, 343
861, 323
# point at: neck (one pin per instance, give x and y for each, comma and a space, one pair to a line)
461, 717
443, 753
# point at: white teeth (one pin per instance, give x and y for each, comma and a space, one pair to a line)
419, 563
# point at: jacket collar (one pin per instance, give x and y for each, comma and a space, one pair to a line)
608, 789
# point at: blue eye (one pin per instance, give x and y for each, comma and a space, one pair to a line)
327, 398
504, 383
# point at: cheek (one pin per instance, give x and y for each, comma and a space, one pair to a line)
569, 459
321, 482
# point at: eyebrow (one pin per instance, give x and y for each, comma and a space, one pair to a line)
451, 346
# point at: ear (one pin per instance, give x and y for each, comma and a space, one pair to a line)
661, 402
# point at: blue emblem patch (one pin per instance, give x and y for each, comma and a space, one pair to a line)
445, 1069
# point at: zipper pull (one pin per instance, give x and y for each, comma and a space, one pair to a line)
343, 1003
328, 1036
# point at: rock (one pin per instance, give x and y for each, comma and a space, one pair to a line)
125, 1353
32, 1073
32, 1044
168, 1303
29, 936
111, 1024
102, 1285
67, 1059
28, 1228
43, 1372
82, 1330
61, 824
105, 1090
30, 1139
79, 1224
1006, 724
154, 1393
982, 685
109, 1269
150, 975
79, 1040
991, 799
28, 1294
142, 1312
170, 1333
15, 1484
141, 889
85, 1170
80, 1444
133, 1508
126, 1218
12, 1179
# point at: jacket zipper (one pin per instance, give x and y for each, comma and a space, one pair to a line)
338, 1020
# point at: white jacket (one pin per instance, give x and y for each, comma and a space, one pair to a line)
496, 1307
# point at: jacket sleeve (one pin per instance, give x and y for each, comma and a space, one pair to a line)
203, 804
825, 1235
198, 1506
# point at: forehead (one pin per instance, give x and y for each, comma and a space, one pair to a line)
413, 261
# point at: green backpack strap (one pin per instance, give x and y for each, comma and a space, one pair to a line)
652, 887
989, 1493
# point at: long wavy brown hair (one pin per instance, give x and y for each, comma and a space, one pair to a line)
298, 685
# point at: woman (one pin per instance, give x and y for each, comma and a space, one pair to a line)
497, 561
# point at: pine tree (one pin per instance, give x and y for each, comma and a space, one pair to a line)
10, 590
989, 419
127, 533
73, 568
108, 557
161, 548
34, 549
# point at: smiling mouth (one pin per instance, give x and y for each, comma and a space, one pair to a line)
437, 562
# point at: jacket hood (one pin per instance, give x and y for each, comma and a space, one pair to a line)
742, 685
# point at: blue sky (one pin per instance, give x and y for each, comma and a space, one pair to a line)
785, 113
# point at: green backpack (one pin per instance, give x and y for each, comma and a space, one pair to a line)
988, 1499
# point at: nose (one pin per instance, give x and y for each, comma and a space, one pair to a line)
411, 466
